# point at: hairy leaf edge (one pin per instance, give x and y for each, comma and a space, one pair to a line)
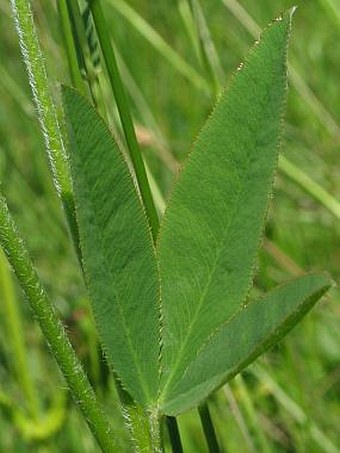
150, 244
173, 405
223, 94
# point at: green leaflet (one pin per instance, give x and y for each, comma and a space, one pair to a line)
243, 338
207, 247
211, 231
119, 260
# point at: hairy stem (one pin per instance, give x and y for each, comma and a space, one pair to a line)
35, 66
53, 330
143, 425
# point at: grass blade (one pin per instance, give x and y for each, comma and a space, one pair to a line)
208, 427
160, 45
248, 405
310, 186
294, 410
210, 55
175, 438
300, 85
71, 53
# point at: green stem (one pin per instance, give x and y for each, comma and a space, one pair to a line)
237, 414
155, 39
310, 186
185, 10
78, 26
70, 49
208, 428
144, 426
53, 330
16, 338
35, 66
210, 58
174, 435
145, 429
294, 410
125, 116
252, 416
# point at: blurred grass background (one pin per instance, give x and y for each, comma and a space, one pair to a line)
289, 401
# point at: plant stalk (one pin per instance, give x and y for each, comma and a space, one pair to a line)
156, 41
209, 57
35, 66
294, 410
71, 53
208, 428
175, 437
125, 116
143, 425
53, 330
310, 186
250, 411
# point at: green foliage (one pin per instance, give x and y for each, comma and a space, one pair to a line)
252, 329
119, 259
212, 228
207, 247
273, 405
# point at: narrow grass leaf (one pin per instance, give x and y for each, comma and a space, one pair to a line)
209, 53
315, 104
155, 39
211, 231
243, 338
119, 259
